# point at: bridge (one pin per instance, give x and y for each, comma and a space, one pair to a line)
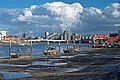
53, 36
45, 40
50, 38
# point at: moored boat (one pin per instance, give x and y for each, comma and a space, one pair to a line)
51, 51
71, 50
20, 55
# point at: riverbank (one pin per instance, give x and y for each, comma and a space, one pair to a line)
94, 64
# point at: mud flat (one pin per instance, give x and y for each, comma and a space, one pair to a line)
102, 50
91, 64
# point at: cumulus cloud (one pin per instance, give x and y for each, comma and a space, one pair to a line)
57, 16
68, 14
99, 21
113, 11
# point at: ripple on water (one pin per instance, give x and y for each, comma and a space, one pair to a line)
12, 75
48, 63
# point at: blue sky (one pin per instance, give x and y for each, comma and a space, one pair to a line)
27, 3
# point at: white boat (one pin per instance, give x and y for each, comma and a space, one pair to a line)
71, 50
51, 51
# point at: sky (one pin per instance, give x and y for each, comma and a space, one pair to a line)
39, 16
28, 3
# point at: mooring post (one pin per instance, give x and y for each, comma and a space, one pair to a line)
59, 47
67, 46
47, 46
79, 43
31, 47
10, 45
10, 49
74, 45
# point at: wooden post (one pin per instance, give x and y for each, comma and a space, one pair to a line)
47, 51
79, 43
59, 47
10, 57
74, 46
10, 50
67, 46
47, 46
31, 47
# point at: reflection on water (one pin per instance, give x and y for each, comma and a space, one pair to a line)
3, 64
73, 55
14, 65
68, 56
12, 75
48, 63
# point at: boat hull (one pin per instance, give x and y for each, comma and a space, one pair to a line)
50, 53
71, 50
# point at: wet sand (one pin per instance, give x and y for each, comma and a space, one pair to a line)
90, 64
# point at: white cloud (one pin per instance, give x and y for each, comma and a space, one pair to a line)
113, 11
33, 7
51, 16
67, 14
92, 11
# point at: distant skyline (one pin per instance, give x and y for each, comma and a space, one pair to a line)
27, 3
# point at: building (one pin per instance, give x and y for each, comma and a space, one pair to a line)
12, 38
100, 37
105, 38
2, 35
113, 37
25, 35
67, 35
46, 34
75, 37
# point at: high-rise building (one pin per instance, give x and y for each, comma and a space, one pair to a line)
73, 37
46, 34
2, 35
67, 35
25, 35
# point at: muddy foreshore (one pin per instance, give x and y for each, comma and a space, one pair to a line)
90, 64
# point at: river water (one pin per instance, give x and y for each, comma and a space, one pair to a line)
37, 48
